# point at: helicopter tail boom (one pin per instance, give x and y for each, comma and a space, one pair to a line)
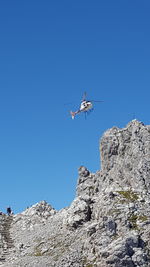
73, 114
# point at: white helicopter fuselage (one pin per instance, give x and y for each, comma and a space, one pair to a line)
85, 106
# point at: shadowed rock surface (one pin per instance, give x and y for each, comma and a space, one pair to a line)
107, 224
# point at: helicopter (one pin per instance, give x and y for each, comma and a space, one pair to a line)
86, 106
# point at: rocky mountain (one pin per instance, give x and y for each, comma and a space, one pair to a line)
107, 224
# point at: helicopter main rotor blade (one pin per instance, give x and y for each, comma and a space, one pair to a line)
96, 100
69, 103
84, 96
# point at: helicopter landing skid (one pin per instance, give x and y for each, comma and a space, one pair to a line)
88, 112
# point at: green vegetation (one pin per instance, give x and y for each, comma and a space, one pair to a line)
129, 195
134, 218
133, 221
86, 263
142, 218
116, 213
37, 252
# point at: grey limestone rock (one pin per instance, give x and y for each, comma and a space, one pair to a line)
125, 156
106, 225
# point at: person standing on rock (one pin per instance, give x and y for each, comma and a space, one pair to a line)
9, 212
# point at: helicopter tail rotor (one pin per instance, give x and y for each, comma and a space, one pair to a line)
72, 114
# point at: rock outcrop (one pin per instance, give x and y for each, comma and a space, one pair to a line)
107, 224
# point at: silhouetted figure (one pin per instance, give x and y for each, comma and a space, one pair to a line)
9, 211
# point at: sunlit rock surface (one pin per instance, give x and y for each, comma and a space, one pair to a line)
107, 224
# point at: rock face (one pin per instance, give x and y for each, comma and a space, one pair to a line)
107, 224
125, 156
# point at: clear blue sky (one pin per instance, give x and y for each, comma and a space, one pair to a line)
50, 53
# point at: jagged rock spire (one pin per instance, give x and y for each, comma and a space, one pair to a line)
125, 156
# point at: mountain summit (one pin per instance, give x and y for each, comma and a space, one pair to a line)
106, 225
